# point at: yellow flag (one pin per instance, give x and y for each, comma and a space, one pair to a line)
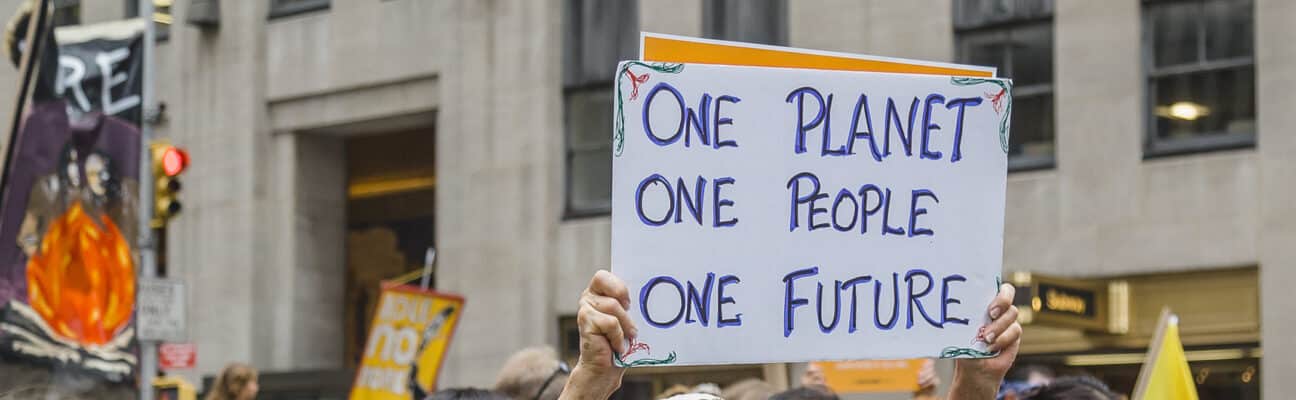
1166, 375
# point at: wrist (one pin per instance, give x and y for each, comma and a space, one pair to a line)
971, 382
591, 383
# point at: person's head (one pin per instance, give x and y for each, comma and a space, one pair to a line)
466, 394
748, 389
235, 382
1032, 374
809, 392
673, 390
1072, 388
813, 375
533, 373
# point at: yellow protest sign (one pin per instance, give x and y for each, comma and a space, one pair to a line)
872, 376
407, 341
682, 49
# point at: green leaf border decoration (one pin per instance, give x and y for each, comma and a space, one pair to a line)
618, 136
965, 352
1003, 120
616, 359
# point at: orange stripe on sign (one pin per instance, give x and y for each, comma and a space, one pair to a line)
679, 51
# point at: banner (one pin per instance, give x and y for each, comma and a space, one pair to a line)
68, 221
100, 68
806, 212
407, 342
872, 376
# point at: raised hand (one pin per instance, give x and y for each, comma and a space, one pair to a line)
605, 328
980, 378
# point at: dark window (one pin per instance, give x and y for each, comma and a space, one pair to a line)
1015, 36
66, 12
284, 8
597, 34
753, 21
161, 16
1201, 75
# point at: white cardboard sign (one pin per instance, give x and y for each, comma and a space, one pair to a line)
783, 215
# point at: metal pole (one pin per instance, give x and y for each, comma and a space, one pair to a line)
147, 245
428, 259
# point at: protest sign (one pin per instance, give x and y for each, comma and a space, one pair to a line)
739, 212
871, 376
407, 342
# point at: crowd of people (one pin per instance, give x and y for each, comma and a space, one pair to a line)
538, 373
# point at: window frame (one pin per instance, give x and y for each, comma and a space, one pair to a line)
288, 8
1203, 142
162, 31
709, 22
570, 148
1021, 162
59, 5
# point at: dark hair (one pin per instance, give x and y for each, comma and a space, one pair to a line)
466, 394
1072, 388
813, 392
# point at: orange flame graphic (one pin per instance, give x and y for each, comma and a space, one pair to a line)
82, 279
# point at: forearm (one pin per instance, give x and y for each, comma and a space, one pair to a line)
586, 384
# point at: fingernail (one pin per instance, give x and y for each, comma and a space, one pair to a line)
994, 313
989, 337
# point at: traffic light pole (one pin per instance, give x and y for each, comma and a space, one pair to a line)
147, 244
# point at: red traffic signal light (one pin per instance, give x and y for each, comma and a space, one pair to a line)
173, 160
168, 162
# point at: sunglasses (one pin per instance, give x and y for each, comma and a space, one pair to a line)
562, 369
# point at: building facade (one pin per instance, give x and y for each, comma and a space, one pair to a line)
332, 141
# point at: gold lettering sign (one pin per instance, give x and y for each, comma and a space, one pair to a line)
1059, 301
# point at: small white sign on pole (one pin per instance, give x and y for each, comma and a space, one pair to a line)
161, 310
784, 215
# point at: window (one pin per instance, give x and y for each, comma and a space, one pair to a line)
1017, 37
597, 34
66, 12
161, 16
284, 8
753, 21
1201, 76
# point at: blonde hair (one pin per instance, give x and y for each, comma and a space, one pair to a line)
526, 371
749, 389
231, 382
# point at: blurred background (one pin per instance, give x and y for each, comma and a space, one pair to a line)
333, 142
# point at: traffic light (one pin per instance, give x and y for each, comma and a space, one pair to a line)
168, 162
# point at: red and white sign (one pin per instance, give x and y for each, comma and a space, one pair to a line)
173, 356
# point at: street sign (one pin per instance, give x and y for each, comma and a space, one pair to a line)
173, 356
161, 310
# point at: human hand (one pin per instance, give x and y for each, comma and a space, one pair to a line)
604, 326
980, 378
928, 380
